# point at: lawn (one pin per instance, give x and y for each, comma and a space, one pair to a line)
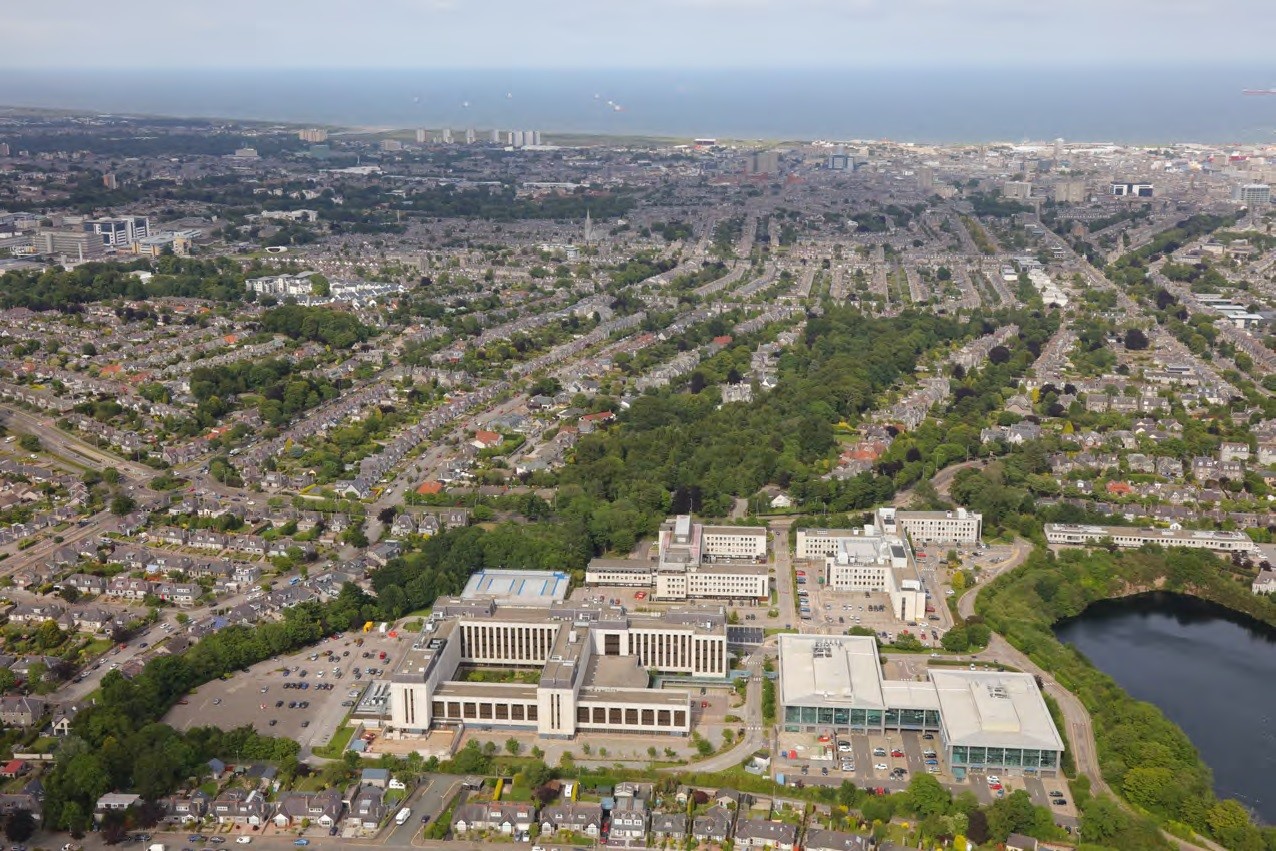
337, 746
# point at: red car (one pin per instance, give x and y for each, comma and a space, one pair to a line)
897, 753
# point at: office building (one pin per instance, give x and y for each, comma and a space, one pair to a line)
1070, 192
1255, 196
110, 181
1017, 190
762, 162
391, 145
873, 561
422, 137
496, 137
122, 231
1122, 189
313, 135
926, 178
957, 526
446, 137
4, 149
590, 664
984, 720
1080, 535
470, 137
72, 244
695, 562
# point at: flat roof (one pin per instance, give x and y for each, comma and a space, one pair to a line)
519, 586
1149, 532
616, 672
994, 709
830, 670
748, 531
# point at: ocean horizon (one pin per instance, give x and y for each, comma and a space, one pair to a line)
932, 104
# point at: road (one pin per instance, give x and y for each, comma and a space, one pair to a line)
73, 448
756, 735
1076, 717
1079, 726
784, 593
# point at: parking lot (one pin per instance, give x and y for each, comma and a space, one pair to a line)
306, 708
891, 760
838, 611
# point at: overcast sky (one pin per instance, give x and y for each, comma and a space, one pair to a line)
631, 33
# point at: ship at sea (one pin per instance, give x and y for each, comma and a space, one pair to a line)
1271, 91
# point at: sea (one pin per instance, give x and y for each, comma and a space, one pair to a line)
937, 104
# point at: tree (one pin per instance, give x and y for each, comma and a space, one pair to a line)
122, 504
30, 443
1135, 340
319, 286
513, 746
926, 796
20, 826
1012, 814
111, 476
998, 355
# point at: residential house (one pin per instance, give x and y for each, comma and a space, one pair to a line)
37, 612
186, 808
628, 822
713, 825
833, 840
378, 777
240, 806
61, 718
1265, 582
576, 816
21, 710
12, 802
506, 819
1229, 451
321, 808
486, 440
115, 801
1019, 842
367, 808
763, 833
404, 524
85, 583
669, 826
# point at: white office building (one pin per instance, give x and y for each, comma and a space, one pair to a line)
695, 562
1223, 541
590, 664
984, 720
121, 232
958, 526
1255, 196
873, 561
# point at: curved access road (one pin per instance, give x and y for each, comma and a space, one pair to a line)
1077, 721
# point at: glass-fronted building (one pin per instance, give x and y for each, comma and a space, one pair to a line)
986, 720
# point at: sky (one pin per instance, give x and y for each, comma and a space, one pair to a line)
201, 34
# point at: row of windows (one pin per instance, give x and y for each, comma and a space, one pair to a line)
524, 643
870, 719
615, 716
454, 710
1004, 757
